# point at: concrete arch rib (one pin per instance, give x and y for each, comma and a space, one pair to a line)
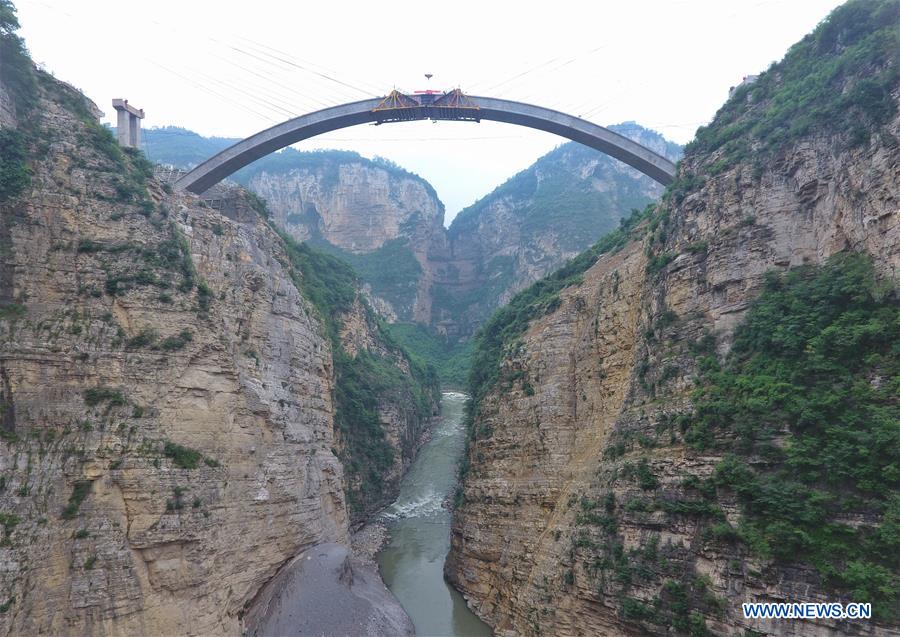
246, 151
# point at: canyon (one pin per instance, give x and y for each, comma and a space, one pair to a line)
388, 223
680, 399
611, 467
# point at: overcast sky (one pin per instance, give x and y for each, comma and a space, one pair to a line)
233, 68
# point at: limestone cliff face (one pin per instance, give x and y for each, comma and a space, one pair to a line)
543, 542
168, 422
355, 206
533, 224
404, 409
388, 223
363, 208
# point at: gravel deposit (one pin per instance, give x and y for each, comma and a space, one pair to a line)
327, 592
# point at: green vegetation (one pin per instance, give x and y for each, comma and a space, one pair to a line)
9, 521
806, 407
357, 393
645, 478
79, 493
363, 381
15, 175
618, 570
173, 255
450, 359
204, 296
97, 395
328, 282
176, 503
11, 311
172, 343
391, 270
659, 261
89, 246
505, 327
181, 456
169, 257
18, 77
16, 70
143, 338
837, 80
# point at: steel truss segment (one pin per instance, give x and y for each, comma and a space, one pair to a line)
455, 99
394, 100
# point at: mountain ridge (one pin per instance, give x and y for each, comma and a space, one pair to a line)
414, 268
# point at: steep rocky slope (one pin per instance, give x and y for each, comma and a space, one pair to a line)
174, 404
383, 220
388, 223
661, 431
533, 223
384, 398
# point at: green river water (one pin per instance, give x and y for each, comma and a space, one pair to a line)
412, 565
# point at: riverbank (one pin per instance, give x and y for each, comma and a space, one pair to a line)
389, 581
327, 591
367, 540
366, 543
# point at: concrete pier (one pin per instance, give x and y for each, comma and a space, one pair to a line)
128, 125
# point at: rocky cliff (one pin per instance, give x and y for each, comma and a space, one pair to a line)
384, 399
663, 430
533, 223
172, 395
383, 220
388, 223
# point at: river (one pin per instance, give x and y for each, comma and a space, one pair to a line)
412, 564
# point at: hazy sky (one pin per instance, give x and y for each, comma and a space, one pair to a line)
234, 68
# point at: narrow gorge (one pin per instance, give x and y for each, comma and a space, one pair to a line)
303, 403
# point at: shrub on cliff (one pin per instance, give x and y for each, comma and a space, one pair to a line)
836, 80
806, 408
14, 172
16, 70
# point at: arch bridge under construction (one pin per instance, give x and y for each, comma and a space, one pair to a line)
434, 105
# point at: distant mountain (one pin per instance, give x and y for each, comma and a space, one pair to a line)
534, 222
180, 147
377, 216
388, 222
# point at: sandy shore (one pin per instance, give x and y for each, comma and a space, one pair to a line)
327, 592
